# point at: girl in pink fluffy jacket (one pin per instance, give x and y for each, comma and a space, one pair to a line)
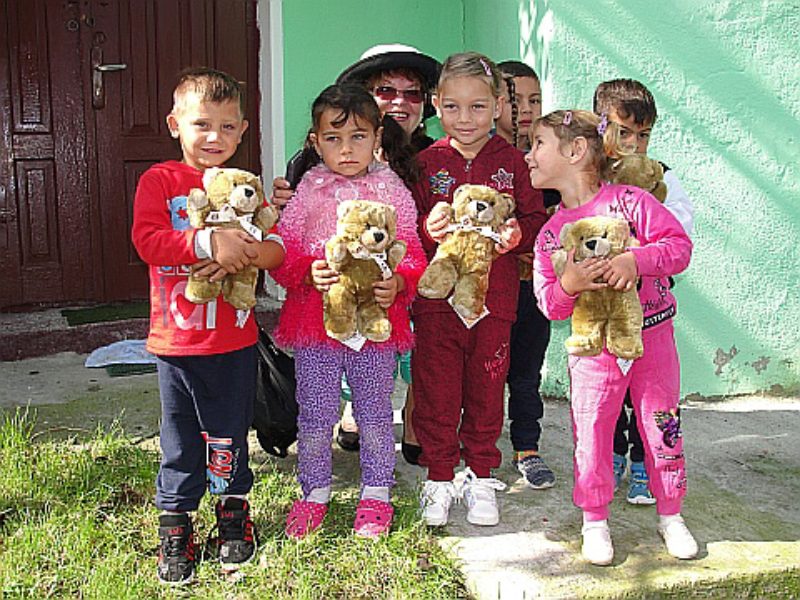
346, 134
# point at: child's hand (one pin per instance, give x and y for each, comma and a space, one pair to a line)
322, 276
622, 272
208, 269
580, 277
438, 220
281, 192
510, 235
386, 290
233, 249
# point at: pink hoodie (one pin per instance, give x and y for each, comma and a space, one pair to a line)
665, 250
309, 220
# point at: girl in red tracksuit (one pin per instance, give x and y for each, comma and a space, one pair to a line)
459, 372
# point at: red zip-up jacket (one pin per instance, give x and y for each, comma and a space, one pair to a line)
502, 167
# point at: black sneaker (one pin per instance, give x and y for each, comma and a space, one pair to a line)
237, 541
348, 440
537, 474
177, 551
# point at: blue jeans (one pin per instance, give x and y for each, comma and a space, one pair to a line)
530, 335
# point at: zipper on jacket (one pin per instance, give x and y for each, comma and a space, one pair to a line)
468, 166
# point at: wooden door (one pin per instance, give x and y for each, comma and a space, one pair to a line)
90, 84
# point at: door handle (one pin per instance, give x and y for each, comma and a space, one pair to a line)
98, 68
111, 67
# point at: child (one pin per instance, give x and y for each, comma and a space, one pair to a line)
629, 104
345, 133
206, 353
568, 155
456, 368
530, 333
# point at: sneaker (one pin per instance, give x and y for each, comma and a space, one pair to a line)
237, 541
536, 472
177, 549
436, 499
597, 547
638, 490
679, 540
479, 496
620, 465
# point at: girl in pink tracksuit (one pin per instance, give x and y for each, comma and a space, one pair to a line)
569, 154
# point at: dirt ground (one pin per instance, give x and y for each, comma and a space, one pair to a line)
743, 468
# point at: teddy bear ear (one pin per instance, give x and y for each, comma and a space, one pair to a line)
344, 208
209, 176
564, 236
510, 202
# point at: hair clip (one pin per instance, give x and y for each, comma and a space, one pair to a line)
603, 124
567, 118
486, 67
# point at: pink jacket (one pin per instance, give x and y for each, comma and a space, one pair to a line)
665, 250
309, 220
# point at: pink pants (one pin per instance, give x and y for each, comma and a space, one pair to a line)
597, 392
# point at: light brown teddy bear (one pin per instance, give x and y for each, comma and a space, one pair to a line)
643, 172
605, 315
464, 258
363, 251
232, 198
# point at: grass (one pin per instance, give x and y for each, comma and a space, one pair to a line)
77, 520
106, 312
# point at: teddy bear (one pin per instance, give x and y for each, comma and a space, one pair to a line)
363, 251
641, 171
231, 198
604, 315
464, 258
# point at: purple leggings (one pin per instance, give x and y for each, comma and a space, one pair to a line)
319, 382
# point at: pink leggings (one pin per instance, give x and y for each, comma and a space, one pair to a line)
597, 392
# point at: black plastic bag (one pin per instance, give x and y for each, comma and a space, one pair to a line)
275, 410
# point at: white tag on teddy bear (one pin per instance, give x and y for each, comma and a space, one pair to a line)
354, 342
248, 226
625, 365
468, 323
241, 317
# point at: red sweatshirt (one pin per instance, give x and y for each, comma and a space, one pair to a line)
502, 167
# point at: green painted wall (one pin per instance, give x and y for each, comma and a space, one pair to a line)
724, 75
322, 37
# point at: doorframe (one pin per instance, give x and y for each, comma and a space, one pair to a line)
271, 106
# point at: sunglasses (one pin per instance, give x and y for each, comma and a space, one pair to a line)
388, 93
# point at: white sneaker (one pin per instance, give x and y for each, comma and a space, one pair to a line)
679, 540
478, 494
436, 499
597, 548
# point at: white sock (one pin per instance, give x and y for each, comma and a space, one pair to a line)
320, 495
665, 520
369, 492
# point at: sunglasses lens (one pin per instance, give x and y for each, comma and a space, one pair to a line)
387, 94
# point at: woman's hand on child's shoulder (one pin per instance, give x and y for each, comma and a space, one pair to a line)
281, 192
583, 276
438, 221
322, 276
510, 236
622, 272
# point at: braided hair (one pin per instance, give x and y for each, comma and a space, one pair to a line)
509, 69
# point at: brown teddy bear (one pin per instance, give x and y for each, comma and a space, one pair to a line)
464, 258
232, 198
643, 172
604, 315
363, 251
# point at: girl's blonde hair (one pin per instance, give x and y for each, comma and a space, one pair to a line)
601, 135
471, 64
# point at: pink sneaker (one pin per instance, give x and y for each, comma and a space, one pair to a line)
373, 518
304, 518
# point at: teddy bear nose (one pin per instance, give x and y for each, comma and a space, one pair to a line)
249, 192
591, 244
379, 235
481, 206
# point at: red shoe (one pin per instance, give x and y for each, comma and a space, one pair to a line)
373, 518
304, 518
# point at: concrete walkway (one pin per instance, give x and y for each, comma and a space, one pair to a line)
744, 481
